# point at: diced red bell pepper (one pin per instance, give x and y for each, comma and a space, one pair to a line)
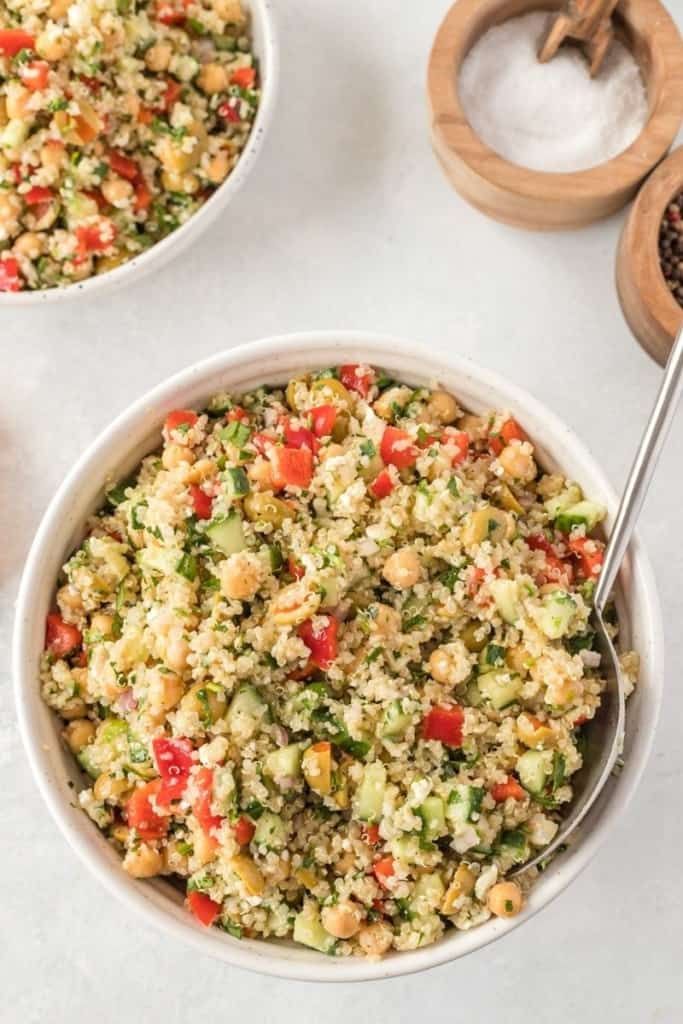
61, 638
590, 554
97, 197
12, 40
123, 165
142, 816
510, 431
201, 502
10, 281
298, 674
538, 542
203, 907
397, 448
295, 568
321, 641
371, 834
503, 791
145, 115
382, 485
384, 870
292, 467
34, 74
38, 194
95, 237
477, 576
261, 440
243, 830
142, 196
323, 418
556, 571
356, 377
444, 722
171, 13
298, 437
92, 84
460, 441
180, 418
237, 414
202, 805
244, 77
174, 763
230, 110
171, 93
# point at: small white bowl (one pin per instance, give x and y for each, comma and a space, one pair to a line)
117, 451
266, 49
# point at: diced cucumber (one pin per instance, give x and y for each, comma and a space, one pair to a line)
227, 534
370, 794
86, 762
236, 482
406, 847
501, 687
308, 930
276, 557
473, 695
284, 763
565, 499
505, 594
428, 892
492, 656
433, 814
271, 831
555, 614
464, 802
583, 513
395, 722
534, 768
112, 729
514, 843
247, 709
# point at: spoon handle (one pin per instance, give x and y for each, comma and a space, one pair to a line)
641, 473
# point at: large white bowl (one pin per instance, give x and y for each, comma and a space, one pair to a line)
267, 51
116, 452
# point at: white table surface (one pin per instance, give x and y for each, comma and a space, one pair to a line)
346, 222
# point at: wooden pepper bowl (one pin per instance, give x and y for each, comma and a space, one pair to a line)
650, 309
537, 199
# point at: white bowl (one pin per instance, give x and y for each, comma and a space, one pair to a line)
117, 451
267, 50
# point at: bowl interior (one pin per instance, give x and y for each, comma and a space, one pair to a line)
118, 451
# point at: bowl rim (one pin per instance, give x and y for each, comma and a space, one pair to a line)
176, 242
292, 352
620, 174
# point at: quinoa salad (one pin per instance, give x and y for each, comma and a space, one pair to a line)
326, 659
118, 120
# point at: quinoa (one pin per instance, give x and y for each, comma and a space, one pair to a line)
327, 657
118, 120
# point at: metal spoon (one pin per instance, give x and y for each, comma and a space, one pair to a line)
605, 734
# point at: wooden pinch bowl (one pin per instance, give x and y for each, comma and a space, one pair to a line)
650, 309
541, 200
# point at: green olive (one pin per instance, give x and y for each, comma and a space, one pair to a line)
290, 393
374, 468
334, 388
504, 497
340, 429
208, 700
475, 635
264, 507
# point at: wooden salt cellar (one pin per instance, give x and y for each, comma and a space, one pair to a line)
536, 199
586, 21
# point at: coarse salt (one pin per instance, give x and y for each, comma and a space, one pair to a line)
554, 116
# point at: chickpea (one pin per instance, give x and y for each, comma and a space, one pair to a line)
218, 167
44, 217
260, 474
175, 158
449, 664
505, 899
165, 689
202, 470
208, 700
174, 455
30, 245
116, 191
121, 833
212, 78
16, 100
293, 604
230, 11
78, 734
177, 651
203, 849
476, 426
53, 155
331, 451
102, 624
390, 399
442, 407
241, 575
175, 862
143, 862
534, 733
74, 708
110, 787
375, 939
342, 920
174, 181
158, 57
58, 9
402, 569
518, 461
53, 45
10, 209
386, 620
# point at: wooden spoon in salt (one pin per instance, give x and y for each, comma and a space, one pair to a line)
589, 22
